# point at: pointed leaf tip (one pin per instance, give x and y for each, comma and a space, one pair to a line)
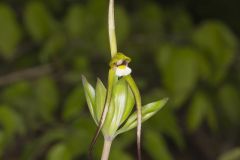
101, 93
90, 97
147, 112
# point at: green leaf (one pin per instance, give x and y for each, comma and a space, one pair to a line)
11, 122
33, 149
54, 45
123, 25
233, 154
21, 96
180, 22
2, 142
101, 93
17, 94
156, 146
77, 138
119, 154
10, 32
75, 20
199, 110
153, 18
219, 46
147, 111
59, 152
229, 101
47, 97
90, 97
174, 62
166, 122
38, 21
125, 140
74, 103
74, 141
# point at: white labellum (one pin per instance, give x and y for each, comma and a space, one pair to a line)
123, 70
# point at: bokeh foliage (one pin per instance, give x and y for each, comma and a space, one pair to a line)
43, 113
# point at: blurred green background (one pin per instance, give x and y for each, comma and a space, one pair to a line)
185, 50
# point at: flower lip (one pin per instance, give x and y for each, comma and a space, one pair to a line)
123, 70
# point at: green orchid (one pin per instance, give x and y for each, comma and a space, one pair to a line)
111, 108
120, 117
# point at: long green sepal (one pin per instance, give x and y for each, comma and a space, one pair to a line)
90, 97
147, 112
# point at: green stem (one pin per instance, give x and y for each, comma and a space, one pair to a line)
111, 76
111, 29
106, 149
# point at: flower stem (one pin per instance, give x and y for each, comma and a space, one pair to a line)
111, 29
106, 149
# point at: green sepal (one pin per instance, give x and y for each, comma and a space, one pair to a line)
90, 97
116, 108
147, 111
101, 93
129, 105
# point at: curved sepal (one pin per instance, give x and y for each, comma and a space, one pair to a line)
147, 111
90, 97
129, 105
101, 93
117, 108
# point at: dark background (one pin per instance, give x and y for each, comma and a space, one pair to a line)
185, 50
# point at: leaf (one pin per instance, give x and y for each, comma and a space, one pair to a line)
125, 140
219, 46
101, 94
77, 138
147, 111
180, 22
156, 146
166, 123
21, 96
11, 122
118, 154
198, 111
17, 94
2, 142
59, 152
47, 97
90, 97
153, 16
228, 99
78, 141
10, 32
233, 154
122, 23
75, 20
35, 147
38, 21
54, 45
74, 103
174, 62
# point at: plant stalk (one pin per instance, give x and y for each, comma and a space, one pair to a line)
113, 49
106, 149
111, 29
